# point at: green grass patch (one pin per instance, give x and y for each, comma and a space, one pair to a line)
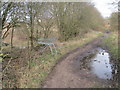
112, 43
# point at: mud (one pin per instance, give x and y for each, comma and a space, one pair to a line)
68, 73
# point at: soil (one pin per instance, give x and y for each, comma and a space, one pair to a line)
67, 74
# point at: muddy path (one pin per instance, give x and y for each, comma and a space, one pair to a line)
67, 73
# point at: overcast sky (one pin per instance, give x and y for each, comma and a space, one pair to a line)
104, 7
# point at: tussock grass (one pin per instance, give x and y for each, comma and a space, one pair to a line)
112, 42
41, 67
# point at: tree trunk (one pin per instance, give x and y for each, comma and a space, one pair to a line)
37, 35
6, 32
5, 13
31, 37
12, 37
31, 27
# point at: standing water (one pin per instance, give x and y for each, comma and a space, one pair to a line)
100, 64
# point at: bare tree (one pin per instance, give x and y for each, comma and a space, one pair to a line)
6, 12
44, 18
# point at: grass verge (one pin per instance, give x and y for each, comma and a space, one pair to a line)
112, 43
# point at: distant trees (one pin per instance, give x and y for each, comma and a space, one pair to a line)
6, 11
114, 21
10, 18
45, 18
14, 21
75, 19
114, 18
72, 19
31, 14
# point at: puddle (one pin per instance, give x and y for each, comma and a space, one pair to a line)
99, 64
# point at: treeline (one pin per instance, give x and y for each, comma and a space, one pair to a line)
71, 19
114, 23
76, 19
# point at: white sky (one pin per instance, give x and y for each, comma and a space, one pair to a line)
104, 7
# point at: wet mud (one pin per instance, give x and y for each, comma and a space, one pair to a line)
89, 66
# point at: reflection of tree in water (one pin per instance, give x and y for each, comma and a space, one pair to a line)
85, 62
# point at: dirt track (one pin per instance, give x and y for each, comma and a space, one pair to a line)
67, 73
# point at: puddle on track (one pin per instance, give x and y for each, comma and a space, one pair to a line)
99, 64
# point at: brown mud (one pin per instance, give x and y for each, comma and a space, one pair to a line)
67, 72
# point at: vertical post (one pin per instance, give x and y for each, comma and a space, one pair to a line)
51, 49
32, 24
12, 37
55, 48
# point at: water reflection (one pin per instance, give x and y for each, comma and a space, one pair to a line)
99, 64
